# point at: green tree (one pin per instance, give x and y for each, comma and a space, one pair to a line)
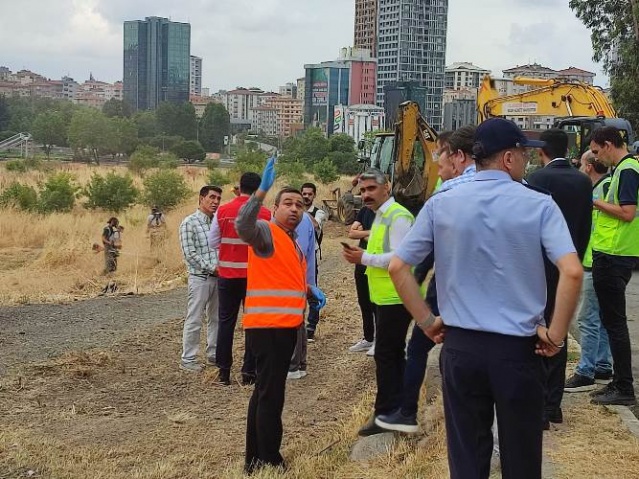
614, 27
49, 128
310, 147
147, 124
325, 171
90, 132
177, 119
5, 116
125, 134
143, 158
118, 108
190, 151
58, 193
342, 142
214, 125
165, 189
112, 192
248, 160
346, 163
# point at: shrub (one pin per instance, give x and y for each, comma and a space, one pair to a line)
189, 151
292, 172
325, 171
143, 158
218, 178
250, 161
211, 164
23, 166
165, 189
19, 196
168, 161
58, 193
111, 192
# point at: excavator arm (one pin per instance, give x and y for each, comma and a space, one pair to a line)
414, 174
555, 97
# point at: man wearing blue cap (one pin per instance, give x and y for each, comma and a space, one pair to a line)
492, 296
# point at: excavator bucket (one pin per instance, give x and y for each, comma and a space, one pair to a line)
415, 173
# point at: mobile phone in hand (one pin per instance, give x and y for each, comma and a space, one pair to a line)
346, 245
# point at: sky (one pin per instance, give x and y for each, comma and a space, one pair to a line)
265, 43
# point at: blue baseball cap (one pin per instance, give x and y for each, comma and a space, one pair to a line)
498, 134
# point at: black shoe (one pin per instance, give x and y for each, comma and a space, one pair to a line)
248, 379
615, 397
370, 428
604, 390
224, 377
554, 415
546, 425
310, 336
396, 421
578, 383
603, 378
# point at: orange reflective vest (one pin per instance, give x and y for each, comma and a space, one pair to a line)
233, 251
276, 286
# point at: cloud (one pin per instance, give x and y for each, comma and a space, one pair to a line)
266, 43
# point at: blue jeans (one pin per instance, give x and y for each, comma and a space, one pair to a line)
419, 346
595, 348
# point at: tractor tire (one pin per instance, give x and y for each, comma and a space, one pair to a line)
346, 209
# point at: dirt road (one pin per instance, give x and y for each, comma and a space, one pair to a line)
94, 385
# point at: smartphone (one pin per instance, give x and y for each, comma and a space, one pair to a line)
346, 245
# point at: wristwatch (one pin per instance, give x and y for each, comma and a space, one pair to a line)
427, 322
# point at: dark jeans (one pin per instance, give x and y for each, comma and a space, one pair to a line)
390, 358
272, 349
364, 300
482, 371
313, 313
231, 295
419, 346
610, 276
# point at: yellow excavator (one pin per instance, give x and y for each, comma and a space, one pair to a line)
578, 108
406, 156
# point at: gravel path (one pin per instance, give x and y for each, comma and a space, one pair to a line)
37, 332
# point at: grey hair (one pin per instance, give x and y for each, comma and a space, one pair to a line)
374, 174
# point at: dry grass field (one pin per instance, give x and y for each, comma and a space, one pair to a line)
49, 258
124, 410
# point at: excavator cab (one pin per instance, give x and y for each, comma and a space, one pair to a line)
580, 128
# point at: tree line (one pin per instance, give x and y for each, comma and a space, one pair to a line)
115, 130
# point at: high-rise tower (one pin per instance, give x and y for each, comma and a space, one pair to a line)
411, 47
156, 62
366, 25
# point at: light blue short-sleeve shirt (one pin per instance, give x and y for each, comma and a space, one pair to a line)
489, 236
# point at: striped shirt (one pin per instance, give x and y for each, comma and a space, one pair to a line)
465, 177
200, 259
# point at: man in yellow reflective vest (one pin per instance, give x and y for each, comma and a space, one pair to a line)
615, 246
391, 224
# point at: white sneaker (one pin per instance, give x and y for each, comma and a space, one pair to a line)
361, 346
371, 351
191, 367
296, 374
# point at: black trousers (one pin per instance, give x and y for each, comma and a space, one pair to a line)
390, 356
364, 300
610, 276
232, 292
272, 349
480, 372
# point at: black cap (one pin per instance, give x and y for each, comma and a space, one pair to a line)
498, 134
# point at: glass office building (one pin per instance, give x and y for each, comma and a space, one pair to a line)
157, 56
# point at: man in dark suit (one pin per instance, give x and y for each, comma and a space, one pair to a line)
572, 191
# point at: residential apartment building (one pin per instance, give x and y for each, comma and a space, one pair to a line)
200, 103
241, 102
196, 76
411, 47
366, 25
96, 93
289, 114
461, 75
265, 120
290, 90
157, 59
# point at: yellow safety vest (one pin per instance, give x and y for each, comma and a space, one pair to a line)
382, 289
612, 235
597, 194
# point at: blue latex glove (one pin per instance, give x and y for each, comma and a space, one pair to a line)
268, 175
319, 296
